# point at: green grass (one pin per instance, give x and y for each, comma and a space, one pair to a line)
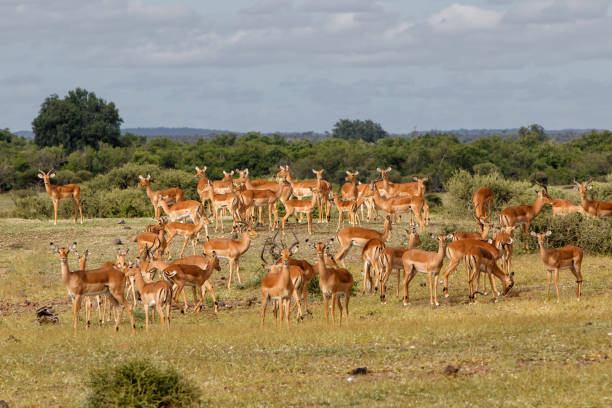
518, 352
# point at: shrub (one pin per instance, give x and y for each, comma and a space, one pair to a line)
139, 383
590, 234
462, 186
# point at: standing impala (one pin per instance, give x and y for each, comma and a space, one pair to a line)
191, 232
58, 193
400, 204
153, 294
524, 214
302, 189
417, 260
358, 236
171, 195
334, 282
568, 257
108, 281
483, 202
231, 250
299, 207
345, 206
392, 259
183, 209
228, 201
592, 207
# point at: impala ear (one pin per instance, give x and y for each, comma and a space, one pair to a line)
433, 236
294, 249
197, 168
589, 187
388, 169
52, 175
87, 252
425, 179
148, 177
54, 247
40, 176
490, 241
415, 178
378, 169
533, 233
72, 247
511, 241
548, 233
450, 236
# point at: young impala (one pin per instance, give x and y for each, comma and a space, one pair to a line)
58, 193
108, 281
568, 257
153, 294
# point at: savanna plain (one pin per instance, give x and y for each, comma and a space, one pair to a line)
518, 351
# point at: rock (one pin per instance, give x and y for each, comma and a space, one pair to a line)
3, 404
451, 370
121, 221
127, 227
359, 371
118, 241
46, 314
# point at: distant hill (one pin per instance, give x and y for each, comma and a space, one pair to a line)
187, 134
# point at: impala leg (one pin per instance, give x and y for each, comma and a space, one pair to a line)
212, 293
55, 207
333, 307
451, 267
200, 304
264, 303
133, 287
557, 283
366, 276
160, 312
407, 278
309, 219
342, 253
578, 274
297, 302
231, 266
326, 308
436, 289
146, 310
76, 212
100, 315
347, 296
88, 308
429, 278
186, 307
76, 305
238, 270
287, 301
549, 276
339, 309
183, 248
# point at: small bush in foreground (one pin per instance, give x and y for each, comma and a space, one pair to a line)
138, 383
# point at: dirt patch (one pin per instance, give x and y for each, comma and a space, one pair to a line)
29, 306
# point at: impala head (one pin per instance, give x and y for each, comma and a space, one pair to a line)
543, 194
541, 237
508, 283
442, 238
319, 173
46, 177
63, 252
284, 171
414, 235
383, 173
322, 248
214, 261
420, 183
144, 181
242, 174
580, 187
200, 172
228, 176
351, 176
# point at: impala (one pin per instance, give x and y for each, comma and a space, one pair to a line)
231, 250
191, 209
524, 214
153, 294
413, 189
483, 202
299, 207
309, 188
592, 207
371, 256
352, 191
191, 232
479, 259
88, 305
58, 193
148, 239
358, 236
108, 281
202, 182
265, 193
392, 259
260, 199
203, 262
397, 205
345, 206
485, 227
457, 250
184, 274
561, 206
228, 201
279, 286
171, 195
417, 260
568, 257
325, 188
334, 282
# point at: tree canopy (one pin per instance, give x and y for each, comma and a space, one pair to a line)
78, 120
358, 129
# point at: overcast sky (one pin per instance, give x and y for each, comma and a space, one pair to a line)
281, 65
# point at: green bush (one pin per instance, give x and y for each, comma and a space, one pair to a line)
462, 185
131, 202
590, 234
139, 383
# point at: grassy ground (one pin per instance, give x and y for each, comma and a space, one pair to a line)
519, 351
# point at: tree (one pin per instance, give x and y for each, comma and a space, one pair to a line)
358, 129
80, 119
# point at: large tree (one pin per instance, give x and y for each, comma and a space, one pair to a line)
80, 119
358, 129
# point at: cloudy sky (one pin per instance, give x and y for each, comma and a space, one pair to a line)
282, 65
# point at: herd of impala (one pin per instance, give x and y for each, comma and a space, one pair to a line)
288, 277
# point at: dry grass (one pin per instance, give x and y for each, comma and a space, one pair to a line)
519, 351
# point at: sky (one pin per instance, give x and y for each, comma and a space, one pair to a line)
283, 65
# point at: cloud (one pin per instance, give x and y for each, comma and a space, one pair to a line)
460, 18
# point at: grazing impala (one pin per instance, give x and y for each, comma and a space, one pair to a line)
371, 256
417, 260
171, 195
524, 214
231, 250
479, 259
358, 236
483, 202
333, 282
148, 239
157, 295
485, 227
108, 281
592, 207
58, 193
568, 257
